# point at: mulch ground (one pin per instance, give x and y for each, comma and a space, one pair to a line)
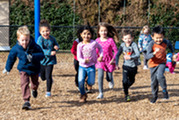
64, 105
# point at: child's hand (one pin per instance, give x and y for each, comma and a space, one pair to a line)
29, 57
112, 62
53, 53
100, 59
117, 67
140, 49
156, 50
56, 47
127, 57
5, 71
87, 60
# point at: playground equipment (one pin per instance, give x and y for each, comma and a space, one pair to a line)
177, 45
37, 18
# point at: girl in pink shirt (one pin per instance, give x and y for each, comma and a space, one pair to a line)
106, 34
87, 57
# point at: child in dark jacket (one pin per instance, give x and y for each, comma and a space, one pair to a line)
29, 54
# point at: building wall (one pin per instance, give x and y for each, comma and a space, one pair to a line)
4, 22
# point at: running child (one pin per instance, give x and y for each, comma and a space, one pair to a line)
156, 53
143, 42
87, 57
49, 46
76, 62
106, 35
29, 55
131, 55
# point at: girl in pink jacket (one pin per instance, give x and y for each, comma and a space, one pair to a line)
106, 35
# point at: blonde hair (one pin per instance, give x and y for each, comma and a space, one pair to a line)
145, 27
23, 30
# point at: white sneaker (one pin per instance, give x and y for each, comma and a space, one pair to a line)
100, 96
145, 67
78, 88
111, 84
48, 94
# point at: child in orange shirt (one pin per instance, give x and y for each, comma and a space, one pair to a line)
156, 53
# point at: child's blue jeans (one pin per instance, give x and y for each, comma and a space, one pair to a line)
82, 72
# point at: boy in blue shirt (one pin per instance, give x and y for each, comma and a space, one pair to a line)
50, 47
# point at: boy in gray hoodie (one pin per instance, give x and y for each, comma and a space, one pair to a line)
131, 59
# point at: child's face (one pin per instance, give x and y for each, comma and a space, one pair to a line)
86, 35
45, 32
158, 38
175, 57
103, 32
146, 31
127, 39
24, 40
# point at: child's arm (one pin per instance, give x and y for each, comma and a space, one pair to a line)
56, 46
169, 46
120, 50
114, 47
100, 50
140, 42
74, 48
38, 54
11, 60
150, 54
171, 66
136, 51
79, 54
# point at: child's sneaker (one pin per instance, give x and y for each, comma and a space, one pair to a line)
34, 93
78, 88
153, 100
145, 67
111, 84
89, 91
100, 96
48, 94
127, 98
88, 88
165, 95
26, 106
